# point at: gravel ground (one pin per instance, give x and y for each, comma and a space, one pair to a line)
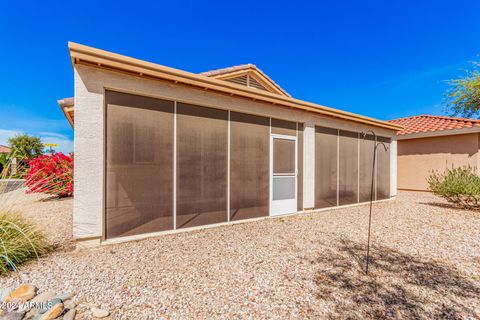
51, 214
425, 265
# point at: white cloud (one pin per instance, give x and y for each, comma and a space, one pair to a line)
5, 134
52, 134
65, 144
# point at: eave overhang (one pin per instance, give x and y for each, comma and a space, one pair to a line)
439, 133
68, 107
81, 54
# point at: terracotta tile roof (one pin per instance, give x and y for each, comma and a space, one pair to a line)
217, 72
4, 149
429, 123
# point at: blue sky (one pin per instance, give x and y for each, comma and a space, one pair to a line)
384, 59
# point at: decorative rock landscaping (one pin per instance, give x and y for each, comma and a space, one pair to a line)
99, 313
26, 303
425, 262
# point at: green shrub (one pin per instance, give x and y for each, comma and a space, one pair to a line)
460, 186
20, 241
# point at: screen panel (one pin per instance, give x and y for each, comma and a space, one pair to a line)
348, 168
283, 188
326, 140
283, 156
249, 166
366, 166
202, 142
383, 169
139, 165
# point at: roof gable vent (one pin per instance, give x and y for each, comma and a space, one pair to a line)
248, 81
255, 84
247, 75
242, 80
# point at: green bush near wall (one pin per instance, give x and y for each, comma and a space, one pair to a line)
460, 186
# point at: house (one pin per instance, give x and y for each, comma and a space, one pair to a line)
4, 149
429, 143
162, 150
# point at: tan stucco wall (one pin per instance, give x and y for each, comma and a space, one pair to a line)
417, 157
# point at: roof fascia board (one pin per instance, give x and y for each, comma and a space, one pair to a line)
101, 58
440, 133
264, 80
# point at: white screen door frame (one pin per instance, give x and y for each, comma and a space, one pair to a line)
287, 202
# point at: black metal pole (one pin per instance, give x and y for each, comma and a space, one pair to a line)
375, 146
371, 200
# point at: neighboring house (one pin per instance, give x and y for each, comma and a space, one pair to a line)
161, 150
4, 149
434, 143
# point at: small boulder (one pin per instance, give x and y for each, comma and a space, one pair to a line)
64, 296
23, 293
50, 304
54, 312
70, 315
43, 297
99, 313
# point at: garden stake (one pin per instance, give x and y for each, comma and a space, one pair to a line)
375, 146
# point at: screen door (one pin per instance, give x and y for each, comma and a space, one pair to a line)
283, 193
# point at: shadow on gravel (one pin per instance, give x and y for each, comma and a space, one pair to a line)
54, 198
398, 286
449, 206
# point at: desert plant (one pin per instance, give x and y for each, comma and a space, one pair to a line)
25, 147
20, 241
463, 97
460, 186
51, 174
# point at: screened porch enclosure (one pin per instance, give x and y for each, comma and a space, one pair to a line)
344, 165
171, 165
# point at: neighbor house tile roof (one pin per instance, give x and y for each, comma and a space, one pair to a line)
429, 123
4, 149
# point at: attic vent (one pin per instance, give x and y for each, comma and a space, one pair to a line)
248, 81
243, 80
255, 84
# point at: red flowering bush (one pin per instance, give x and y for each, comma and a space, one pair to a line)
51, 174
